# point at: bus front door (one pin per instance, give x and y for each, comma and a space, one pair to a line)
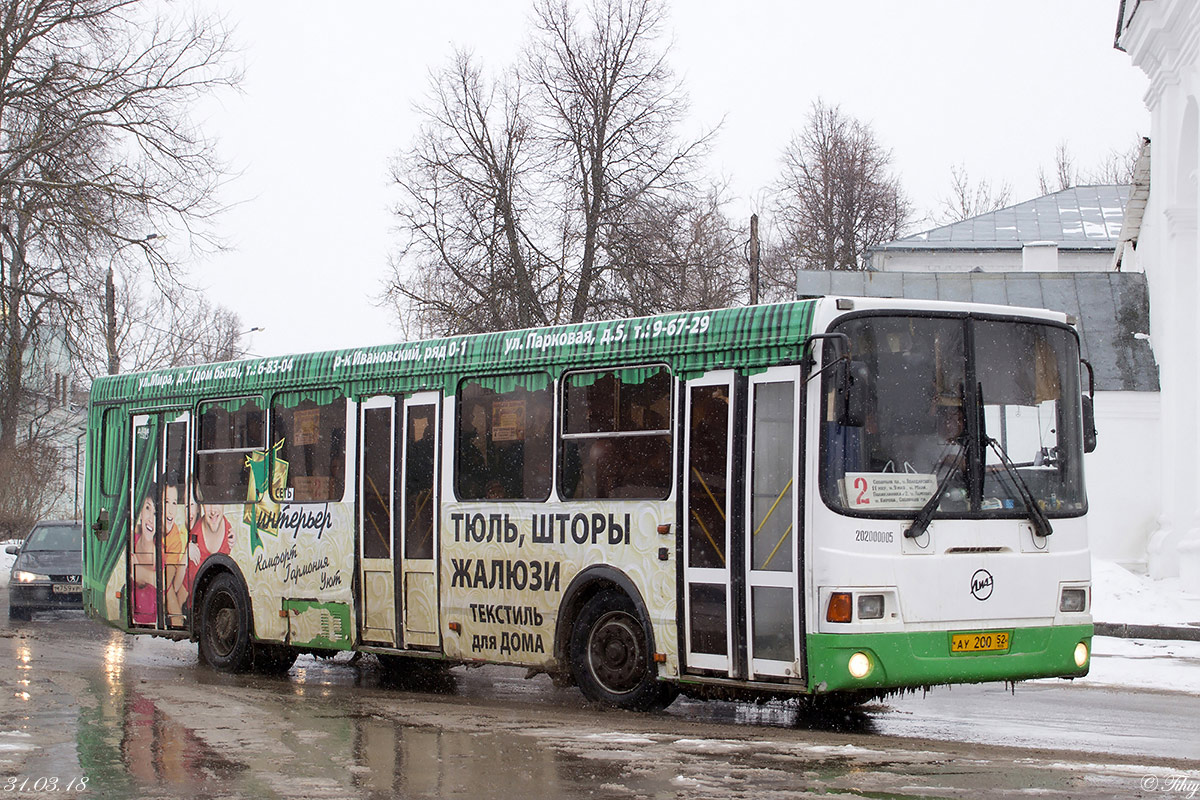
741, 548
773, 484
377, 447
708, 489
162, 515
419, 509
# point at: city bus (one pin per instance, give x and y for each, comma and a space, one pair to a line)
834, 498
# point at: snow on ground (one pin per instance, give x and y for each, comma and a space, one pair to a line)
1166, 665
1119, 595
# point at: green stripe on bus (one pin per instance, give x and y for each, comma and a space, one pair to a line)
923, 658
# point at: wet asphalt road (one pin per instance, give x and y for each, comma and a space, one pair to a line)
86, 711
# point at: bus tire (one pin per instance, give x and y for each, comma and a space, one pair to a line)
610, 656
225, 625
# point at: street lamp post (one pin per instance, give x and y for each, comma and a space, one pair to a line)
110, 307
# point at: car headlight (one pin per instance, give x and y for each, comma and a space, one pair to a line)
28, 577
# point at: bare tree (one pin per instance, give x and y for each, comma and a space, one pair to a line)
970, 199
1066, 173
837, 197
470, 262
1117, 167
152, 329
611, 108
514, 187
673, 254
96, 148
26, 493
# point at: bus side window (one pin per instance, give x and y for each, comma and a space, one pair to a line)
503, 438
616, 435
308, 430
230, 430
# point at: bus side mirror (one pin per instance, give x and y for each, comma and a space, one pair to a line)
851, 393
100, 526
1089, 425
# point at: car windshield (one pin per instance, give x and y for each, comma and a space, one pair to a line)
55, 537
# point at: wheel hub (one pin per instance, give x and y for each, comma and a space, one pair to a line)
615, 653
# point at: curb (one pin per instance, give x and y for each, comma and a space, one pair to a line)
1123, 630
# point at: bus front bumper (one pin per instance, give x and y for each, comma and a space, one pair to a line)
842, 662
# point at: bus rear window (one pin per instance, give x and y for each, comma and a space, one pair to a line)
616, 439
229, 431
504, 438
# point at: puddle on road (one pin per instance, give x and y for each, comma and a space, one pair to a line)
141, 717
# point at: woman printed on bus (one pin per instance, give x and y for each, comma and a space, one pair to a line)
174, 549
145, 523
211, 534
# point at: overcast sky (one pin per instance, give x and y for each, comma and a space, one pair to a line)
328, 96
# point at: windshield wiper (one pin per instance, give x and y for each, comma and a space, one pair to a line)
1037, 516
925, 515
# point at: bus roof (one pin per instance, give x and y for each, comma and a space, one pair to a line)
689, 341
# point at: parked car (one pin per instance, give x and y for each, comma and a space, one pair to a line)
48, 571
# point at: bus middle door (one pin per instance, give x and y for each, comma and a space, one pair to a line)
377, 445
419, 522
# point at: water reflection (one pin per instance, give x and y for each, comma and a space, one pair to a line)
800, 713
127, 742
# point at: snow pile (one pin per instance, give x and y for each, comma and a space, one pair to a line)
1119, 595
6, 562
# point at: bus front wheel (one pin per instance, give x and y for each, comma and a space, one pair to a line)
225, 625
610, 656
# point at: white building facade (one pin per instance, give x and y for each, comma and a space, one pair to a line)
1162, 38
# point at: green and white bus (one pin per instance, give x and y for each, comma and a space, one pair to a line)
836, 496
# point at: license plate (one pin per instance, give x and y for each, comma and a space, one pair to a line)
67, 588
979, 642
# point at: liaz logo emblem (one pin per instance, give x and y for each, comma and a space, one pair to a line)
982, 584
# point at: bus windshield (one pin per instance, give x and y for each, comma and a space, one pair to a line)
950, 400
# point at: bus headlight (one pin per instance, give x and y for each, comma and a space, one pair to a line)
860, 666
1081, 654
1073, 600
870, 606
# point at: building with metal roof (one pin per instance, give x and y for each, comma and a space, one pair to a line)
1074, 230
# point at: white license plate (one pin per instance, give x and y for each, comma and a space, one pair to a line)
67, 588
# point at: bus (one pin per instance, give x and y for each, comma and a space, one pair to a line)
834, 498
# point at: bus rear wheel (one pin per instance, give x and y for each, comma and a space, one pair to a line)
225, 626
610, 656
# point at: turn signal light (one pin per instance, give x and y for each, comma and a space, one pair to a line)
841, 607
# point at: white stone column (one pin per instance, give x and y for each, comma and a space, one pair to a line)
1162, 39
